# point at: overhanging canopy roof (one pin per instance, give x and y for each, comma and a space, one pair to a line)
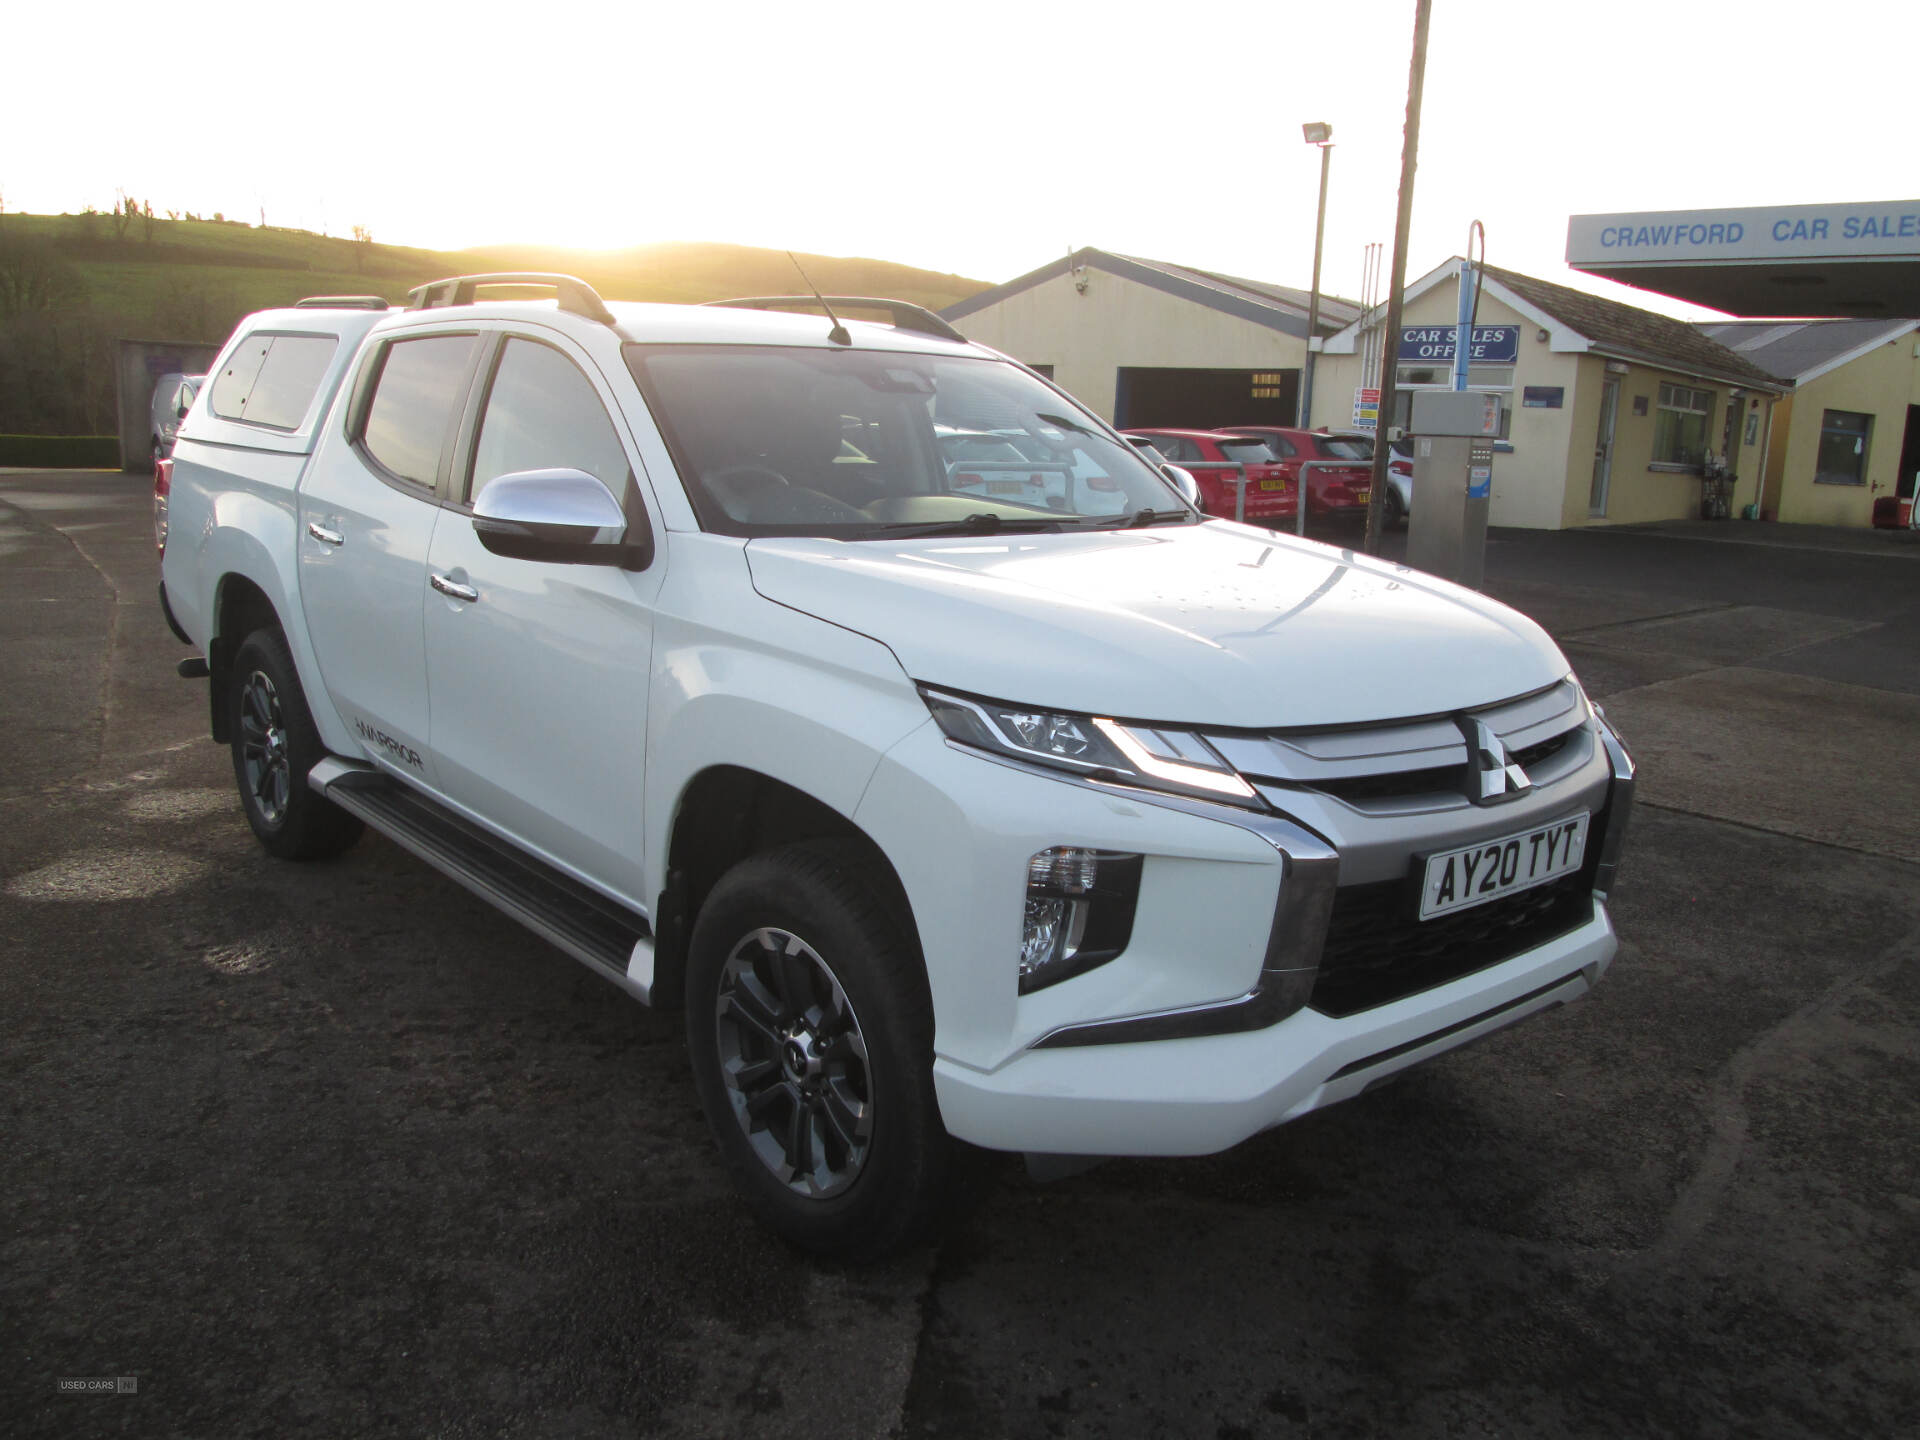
1790, 260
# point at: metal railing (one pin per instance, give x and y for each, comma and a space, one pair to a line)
1239, 485
1300, 517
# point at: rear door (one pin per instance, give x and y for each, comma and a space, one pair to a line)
538, 670
368, 510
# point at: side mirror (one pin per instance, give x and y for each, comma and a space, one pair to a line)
564, 516
1184, 482
183, 411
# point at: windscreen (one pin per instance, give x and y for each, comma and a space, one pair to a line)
862, 444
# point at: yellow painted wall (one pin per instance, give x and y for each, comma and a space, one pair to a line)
1531, 483
1881, 383
1638, 492
1120, 322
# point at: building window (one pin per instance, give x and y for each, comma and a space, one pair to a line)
1843, 448
1418, 374
1680, 425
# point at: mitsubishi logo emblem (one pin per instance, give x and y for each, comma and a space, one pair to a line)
1494, 776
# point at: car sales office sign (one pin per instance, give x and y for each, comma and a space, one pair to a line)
1491, 344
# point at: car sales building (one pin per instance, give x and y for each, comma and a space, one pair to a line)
1831, 299
1146, 342
1612, 409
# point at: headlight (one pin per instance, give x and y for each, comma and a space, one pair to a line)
1151, 757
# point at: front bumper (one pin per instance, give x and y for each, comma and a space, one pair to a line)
1195, 1097
1200, 1034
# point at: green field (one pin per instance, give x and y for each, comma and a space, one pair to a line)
228, 269
70, 285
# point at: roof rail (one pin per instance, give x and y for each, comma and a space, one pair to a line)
904, 313
576, 297
343, 302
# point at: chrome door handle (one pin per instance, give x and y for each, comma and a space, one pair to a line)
453, 588
324, 535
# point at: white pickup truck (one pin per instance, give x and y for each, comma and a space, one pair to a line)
1069, 823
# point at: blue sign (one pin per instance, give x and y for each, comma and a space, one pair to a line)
1491, 344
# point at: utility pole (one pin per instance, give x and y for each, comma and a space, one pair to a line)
1322, 135
1396, 289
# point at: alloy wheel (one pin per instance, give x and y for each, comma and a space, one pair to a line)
263, 747
794, 1062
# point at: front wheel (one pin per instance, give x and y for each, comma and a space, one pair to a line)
275, 744
810, 1029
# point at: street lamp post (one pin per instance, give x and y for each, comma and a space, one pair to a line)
1321, 134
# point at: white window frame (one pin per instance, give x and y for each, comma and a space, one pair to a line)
1677, 399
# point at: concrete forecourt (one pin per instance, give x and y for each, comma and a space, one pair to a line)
331, 1149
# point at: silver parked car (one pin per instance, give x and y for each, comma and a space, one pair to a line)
172, 398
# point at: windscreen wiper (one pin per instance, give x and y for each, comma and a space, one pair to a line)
980, 522
1151, 516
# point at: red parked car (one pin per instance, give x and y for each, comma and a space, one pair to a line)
1271, 492
1336, 494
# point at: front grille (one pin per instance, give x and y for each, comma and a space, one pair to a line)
1395, 784
1539, 754
1379, 950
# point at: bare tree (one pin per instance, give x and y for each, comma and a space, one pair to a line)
362, 244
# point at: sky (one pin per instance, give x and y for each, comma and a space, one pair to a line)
982, 139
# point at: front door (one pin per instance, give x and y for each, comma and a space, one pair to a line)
538, 683
1603, 448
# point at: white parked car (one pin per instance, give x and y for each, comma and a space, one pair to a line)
1082, 826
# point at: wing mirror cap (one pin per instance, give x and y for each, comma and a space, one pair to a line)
1184, 482
563, 516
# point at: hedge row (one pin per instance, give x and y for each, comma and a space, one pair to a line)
61, 452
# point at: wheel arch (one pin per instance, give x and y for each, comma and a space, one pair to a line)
240, 606
726, 814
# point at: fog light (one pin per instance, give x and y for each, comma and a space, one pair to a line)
1046, 935
1079, 913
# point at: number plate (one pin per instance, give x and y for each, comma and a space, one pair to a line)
1362, 495
1461, 879
1273, 484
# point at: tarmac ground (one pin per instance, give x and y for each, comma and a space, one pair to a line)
331, 1150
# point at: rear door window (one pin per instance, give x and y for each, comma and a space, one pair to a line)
270, 380
411, 413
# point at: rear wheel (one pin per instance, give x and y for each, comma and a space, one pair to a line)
275, 744
811, 1033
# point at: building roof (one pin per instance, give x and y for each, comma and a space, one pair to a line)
1633, 333
1278, 307
1803, 350
1582, 323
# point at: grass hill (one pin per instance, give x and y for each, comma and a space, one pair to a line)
205, 274
72, 284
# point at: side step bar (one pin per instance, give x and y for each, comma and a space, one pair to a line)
603, 935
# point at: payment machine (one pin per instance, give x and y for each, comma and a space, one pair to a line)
1452, 433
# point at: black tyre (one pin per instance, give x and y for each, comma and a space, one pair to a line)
274, 746
811, 1033
1396, 514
